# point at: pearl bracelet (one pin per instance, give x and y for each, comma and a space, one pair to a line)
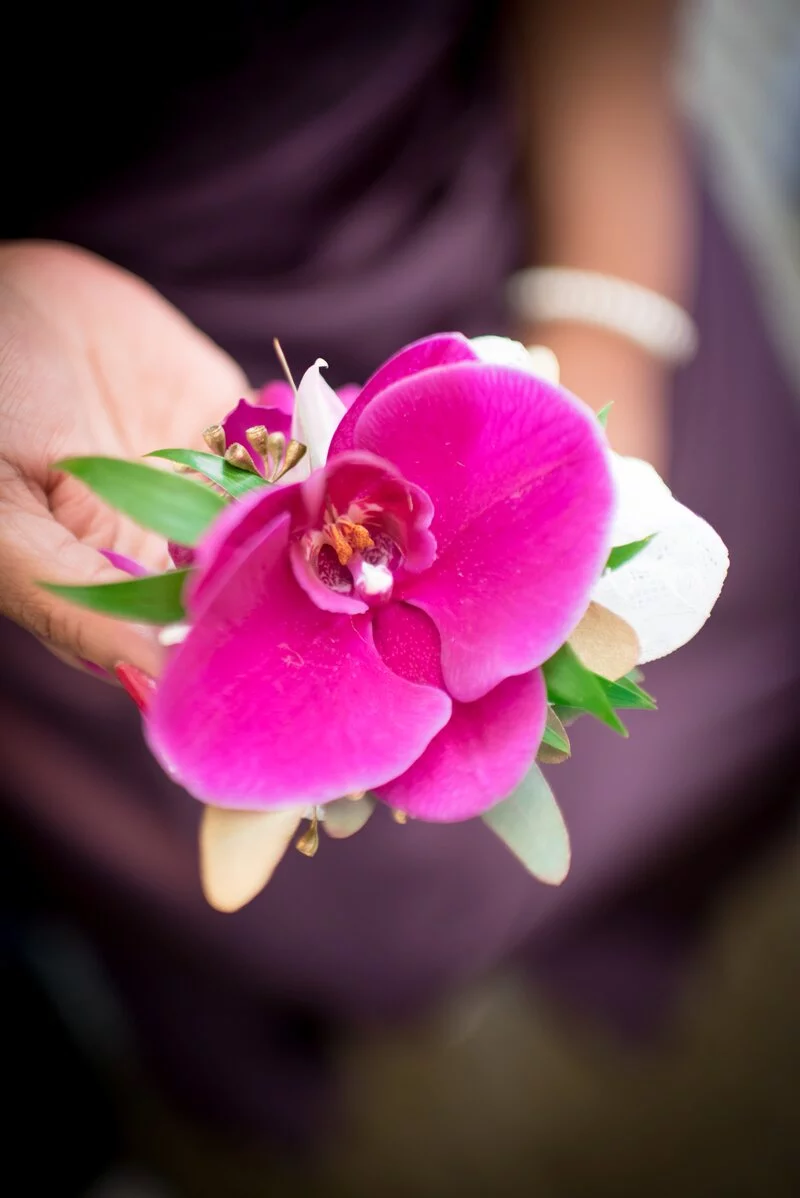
649, 320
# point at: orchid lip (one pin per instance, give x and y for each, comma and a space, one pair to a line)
349, 558
373, 582
365, 527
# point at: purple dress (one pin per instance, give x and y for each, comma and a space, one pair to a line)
348, 191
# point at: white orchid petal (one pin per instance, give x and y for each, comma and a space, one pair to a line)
501, 350
544, 363
666, 592
536, 359
644, 501
317, 414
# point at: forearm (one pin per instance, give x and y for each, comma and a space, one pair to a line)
608, 186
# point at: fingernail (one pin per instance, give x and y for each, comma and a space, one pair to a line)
140, 686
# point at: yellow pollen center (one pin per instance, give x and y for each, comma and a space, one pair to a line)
348, 538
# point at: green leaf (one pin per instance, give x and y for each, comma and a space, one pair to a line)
235, 482
155, 599
530, 824
570, 684
621, 554
177, 508
625, 694
603, 414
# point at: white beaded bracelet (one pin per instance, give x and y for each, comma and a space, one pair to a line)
651, 321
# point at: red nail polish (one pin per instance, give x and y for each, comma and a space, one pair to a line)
140, 686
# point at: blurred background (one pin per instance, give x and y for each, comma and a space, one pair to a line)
409, 1013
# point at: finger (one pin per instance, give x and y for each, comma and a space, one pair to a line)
35, 548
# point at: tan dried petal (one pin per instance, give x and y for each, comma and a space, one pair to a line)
605, 643
239, 851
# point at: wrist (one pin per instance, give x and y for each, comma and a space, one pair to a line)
601, 368
646, 318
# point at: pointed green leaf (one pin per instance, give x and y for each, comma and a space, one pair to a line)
603, 414
154, 599
570, 684
177, 508
625, 694
235, 482
530, 824
621, 554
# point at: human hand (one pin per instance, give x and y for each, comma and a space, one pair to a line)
92, 361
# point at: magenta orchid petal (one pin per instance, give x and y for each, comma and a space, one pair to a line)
439, 350
277, 394
230, 532
330, 586
479, 758
247, 415
127, 564
409, 642
260, 647
518, 473
348, 394
181, 555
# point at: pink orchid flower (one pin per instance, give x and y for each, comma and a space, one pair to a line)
379, 624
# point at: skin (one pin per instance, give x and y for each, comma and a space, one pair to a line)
609, 189
93, 361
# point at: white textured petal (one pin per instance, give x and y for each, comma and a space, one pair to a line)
644, 501
544, 364
536, 359
317, 413
666, 592
502, 351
